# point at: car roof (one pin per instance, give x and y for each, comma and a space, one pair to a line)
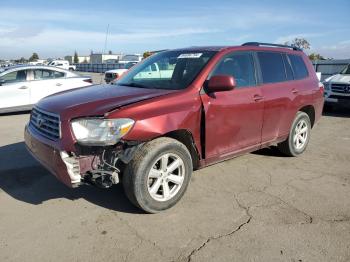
247, 46
21, 67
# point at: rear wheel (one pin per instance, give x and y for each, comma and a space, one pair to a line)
299, 136
158, 176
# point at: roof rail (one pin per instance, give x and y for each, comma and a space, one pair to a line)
268, 44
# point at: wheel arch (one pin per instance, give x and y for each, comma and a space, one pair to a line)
185, 137
310, 111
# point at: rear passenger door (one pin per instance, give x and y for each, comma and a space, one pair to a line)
279, 91
233, 119
14, 91
43, 83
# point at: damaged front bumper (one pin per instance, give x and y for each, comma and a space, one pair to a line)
65, 167
98, 167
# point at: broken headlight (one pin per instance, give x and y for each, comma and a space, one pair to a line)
99, 131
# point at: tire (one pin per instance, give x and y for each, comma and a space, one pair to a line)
295, 145
148, 171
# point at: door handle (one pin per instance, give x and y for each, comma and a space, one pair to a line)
294, 91
257, 98
23, 87
58, 84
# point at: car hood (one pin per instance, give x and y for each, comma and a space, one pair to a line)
339, 78
96, 100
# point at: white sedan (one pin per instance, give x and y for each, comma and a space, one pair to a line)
23, 86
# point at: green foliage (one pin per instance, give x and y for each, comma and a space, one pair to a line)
147, 54
301, 43
315, 56
34, 57
76, 58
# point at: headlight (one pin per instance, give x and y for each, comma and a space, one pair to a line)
101, 132
327, 85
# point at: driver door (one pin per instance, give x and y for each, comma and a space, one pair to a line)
233, 119
14, 91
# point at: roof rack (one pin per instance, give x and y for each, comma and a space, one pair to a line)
268, 44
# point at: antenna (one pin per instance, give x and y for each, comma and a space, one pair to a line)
107, 31
104, 49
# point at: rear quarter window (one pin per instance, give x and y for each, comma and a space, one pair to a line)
299, 67
272, 67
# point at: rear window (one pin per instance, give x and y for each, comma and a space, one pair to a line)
299, 67
272, 67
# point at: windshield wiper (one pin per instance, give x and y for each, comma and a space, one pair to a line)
132, 84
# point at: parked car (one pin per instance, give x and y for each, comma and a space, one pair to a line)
151, 133
64, 64
22, 86
337, 88
114, 74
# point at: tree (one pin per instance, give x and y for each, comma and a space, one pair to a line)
76, 58
146, 54
22, 60
34, 57
315, 56
301, 43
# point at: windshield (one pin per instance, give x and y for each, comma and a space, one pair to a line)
167, 70
346, 70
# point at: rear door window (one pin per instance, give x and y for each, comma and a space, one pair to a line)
238, 65
272, 67
299, 67
289, 70
45, 74
58, 74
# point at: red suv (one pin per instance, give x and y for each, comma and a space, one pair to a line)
200, 106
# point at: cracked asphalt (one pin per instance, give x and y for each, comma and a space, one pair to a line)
257, 207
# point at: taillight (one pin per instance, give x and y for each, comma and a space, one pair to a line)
116, 76
89, 80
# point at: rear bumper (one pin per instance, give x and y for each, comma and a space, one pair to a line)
66, 168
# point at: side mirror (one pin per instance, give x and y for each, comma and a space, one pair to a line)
2, 81
221, 83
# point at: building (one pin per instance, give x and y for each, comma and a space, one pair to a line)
102, 58
131, 58
81, 59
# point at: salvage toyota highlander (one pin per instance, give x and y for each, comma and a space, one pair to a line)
151, 130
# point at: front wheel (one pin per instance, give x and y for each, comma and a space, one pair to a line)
299, 136
158, 176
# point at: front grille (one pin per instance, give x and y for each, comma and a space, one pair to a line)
341, 88
47, 124
340, 97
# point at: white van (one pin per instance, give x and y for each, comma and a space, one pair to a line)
64, 64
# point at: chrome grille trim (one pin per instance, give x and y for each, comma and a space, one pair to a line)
46, 123
341, 88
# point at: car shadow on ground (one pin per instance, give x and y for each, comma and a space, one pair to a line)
269, 151
26, 180
336, 111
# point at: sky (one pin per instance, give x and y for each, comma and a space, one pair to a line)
58, 28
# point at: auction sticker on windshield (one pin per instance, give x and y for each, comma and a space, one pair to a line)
191, 55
